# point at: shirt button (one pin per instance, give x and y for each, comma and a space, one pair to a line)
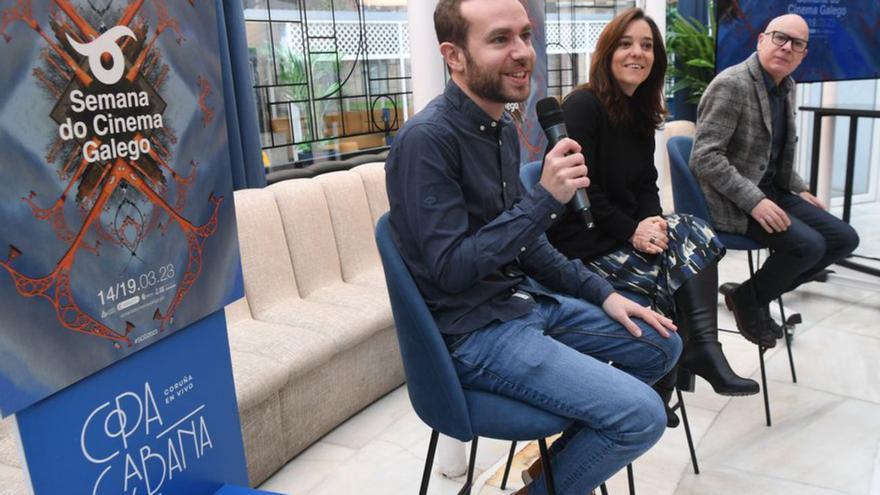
482, 128
553, 216
522, 249
494, 124
504, 183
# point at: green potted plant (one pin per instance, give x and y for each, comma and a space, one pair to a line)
690, 45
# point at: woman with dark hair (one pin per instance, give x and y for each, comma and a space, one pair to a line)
673, 260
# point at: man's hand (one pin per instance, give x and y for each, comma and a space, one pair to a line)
813, 200
770, 216
650, 236
621, 309
564, 170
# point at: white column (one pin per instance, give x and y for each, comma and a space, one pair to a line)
656, 9
427, 82
826, 148
424, 53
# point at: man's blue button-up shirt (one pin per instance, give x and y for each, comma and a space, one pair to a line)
466, 227
777, 96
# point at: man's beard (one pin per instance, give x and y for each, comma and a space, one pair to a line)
490, 85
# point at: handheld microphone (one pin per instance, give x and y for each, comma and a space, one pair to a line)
552, 120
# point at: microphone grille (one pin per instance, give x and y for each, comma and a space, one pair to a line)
549, 112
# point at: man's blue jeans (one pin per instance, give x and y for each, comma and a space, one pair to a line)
556, 358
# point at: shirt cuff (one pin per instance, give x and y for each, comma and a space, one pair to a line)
621, 227
542, 207
597, 290
750, 199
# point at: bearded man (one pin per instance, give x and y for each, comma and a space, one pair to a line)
473, 239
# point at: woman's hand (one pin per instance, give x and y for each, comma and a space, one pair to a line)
650, 236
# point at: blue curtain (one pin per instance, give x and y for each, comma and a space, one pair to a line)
238, 95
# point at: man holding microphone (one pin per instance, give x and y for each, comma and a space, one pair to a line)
474, 241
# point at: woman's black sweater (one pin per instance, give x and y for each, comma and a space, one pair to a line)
623, 181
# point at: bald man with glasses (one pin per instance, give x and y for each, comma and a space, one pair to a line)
743, 158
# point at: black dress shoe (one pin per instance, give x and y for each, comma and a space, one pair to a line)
776, 329
672, 420
752, 320
664, 388
728, 288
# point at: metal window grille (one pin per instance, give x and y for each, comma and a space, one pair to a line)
330, 77
573, 28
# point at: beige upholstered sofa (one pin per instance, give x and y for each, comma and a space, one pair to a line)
313, 340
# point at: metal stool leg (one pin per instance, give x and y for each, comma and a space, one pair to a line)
687, 430
509, 463
787, 337
761, 358
545, 463
631, 479
764, 384
466, 489
426, 475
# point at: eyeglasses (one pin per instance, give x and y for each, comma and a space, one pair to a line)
780, 39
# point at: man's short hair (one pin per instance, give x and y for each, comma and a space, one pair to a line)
449, 24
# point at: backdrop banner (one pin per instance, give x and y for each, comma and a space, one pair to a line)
844, 35
163, 421
116, 225
532, 141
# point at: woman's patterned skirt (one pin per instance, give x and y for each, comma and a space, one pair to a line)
692, 247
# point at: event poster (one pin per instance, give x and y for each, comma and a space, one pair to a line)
163, 421
844, 35
532, 141
116, 221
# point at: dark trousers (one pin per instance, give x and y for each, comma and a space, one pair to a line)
814, 240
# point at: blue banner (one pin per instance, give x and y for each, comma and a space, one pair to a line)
532, 141
844, 35
116, 225
163, 421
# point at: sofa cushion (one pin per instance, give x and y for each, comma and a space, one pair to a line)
313, 250
296, 348
256, 377
12, 481
373, 176
353, 228
308, 233
237, 311
10, 454
265, 356
345, 325
265, 260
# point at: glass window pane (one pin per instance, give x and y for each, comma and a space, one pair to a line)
261, 52
330, 75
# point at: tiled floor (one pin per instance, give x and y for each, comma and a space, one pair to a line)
825, 437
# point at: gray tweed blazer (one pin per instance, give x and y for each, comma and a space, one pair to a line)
733, 141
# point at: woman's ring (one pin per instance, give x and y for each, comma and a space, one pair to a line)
653, 240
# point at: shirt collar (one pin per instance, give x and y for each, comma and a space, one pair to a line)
772, 88
481, 120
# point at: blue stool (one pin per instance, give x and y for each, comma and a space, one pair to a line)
434, 389
529, 175
689, 199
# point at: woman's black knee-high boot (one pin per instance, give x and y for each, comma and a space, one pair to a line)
697, 319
